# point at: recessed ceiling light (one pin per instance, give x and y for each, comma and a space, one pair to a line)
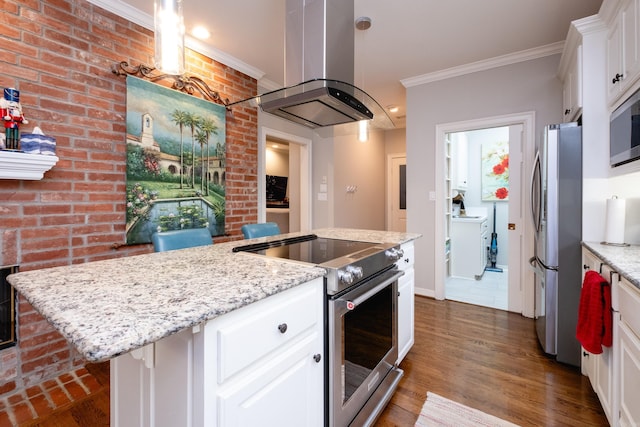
393, 109
200, 32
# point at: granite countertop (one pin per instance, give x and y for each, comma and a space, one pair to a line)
623, 259
107, 308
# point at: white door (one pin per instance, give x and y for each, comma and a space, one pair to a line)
397, 196
516, 219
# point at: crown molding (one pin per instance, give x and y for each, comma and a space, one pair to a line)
487, 64
118, 7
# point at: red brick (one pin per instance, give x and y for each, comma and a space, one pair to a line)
75, 390
22, 412
7, 387
33, 391
66, 378
41, 405
49, 384
15, 399
90, 383
4, 419
63, 70
58, 396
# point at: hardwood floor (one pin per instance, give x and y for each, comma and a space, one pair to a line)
489, 360
481, 357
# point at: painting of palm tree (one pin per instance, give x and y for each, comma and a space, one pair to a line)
174, 179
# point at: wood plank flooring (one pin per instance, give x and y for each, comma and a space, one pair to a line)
481, 357
489, 360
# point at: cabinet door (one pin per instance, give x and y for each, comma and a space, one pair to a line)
602, 369
405, 313
605, 366
614, 61
589, 262
572, 88
629, 18
283, 392
629, 376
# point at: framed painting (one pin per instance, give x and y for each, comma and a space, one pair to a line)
175, 161
495, 171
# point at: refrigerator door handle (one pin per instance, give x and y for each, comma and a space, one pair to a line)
535, 204
545, 266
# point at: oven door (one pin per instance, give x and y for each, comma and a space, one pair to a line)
363, 348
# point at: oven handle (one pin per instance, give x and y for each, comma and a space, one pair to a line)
361, 298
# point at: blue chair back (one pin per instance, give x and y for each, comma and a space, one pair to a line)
179, 239
251, 231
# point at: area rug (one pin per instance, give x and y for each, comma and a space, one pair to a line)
439, 411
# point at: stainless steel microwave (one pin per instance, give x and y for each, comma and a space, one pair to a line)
624, 137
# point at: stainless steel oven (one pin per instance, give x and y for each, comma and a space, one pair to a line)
361, 318
363, 349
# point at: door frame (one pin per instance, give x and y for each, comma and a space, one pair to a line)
520, 300
305, 173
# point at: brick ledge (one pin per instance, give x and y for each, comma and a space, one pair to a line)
45, 398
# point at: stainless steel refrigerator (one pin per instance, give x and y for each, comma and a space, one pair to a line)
556, 212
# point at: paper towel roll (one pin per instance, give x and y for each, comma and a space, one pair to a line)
614, 226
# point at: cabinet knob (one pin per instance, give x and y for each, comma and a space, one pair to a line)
585, 267
585, 354
282, 328
617, 78
317, 357
567, 111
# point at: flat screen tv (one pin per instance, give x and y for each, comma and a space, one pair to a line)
276, 188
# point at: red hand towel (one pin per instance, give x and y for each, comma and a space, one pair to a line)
595, 321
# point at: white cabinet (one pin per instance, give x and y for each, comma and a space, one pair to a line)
469, 242
623, 60
262, 364
406, 290
572, 87
629, 341
459, 161
602, 369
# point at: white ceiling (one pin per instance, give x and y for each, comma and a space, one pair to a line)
408, 39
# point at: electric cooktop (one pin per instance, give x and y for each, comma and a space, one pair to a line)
309, 248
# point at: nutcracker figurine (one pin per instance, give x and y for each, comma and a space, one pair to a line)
12, 116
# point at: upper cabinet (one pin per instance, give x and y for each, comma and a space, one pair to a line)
572, 86
623, 62
459, 161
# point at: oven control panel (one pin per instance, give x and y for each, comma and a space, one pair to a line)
394, 254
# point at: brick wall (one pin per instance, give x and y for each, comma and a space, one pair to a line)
59, 54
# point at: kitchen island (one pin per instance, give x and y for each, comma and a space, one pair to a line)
174, 309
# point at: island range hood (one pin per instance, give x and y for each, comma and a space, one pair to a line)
319, 69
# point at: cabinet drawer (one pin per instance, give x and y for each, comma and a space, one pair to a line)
408, 258
629, 301
253, 336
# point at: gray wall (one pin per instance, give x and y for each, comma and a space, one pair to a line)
516, 88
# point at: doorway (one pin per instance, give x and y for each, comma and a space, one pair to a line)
479, 247
519, 279
397, 192
293, 154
